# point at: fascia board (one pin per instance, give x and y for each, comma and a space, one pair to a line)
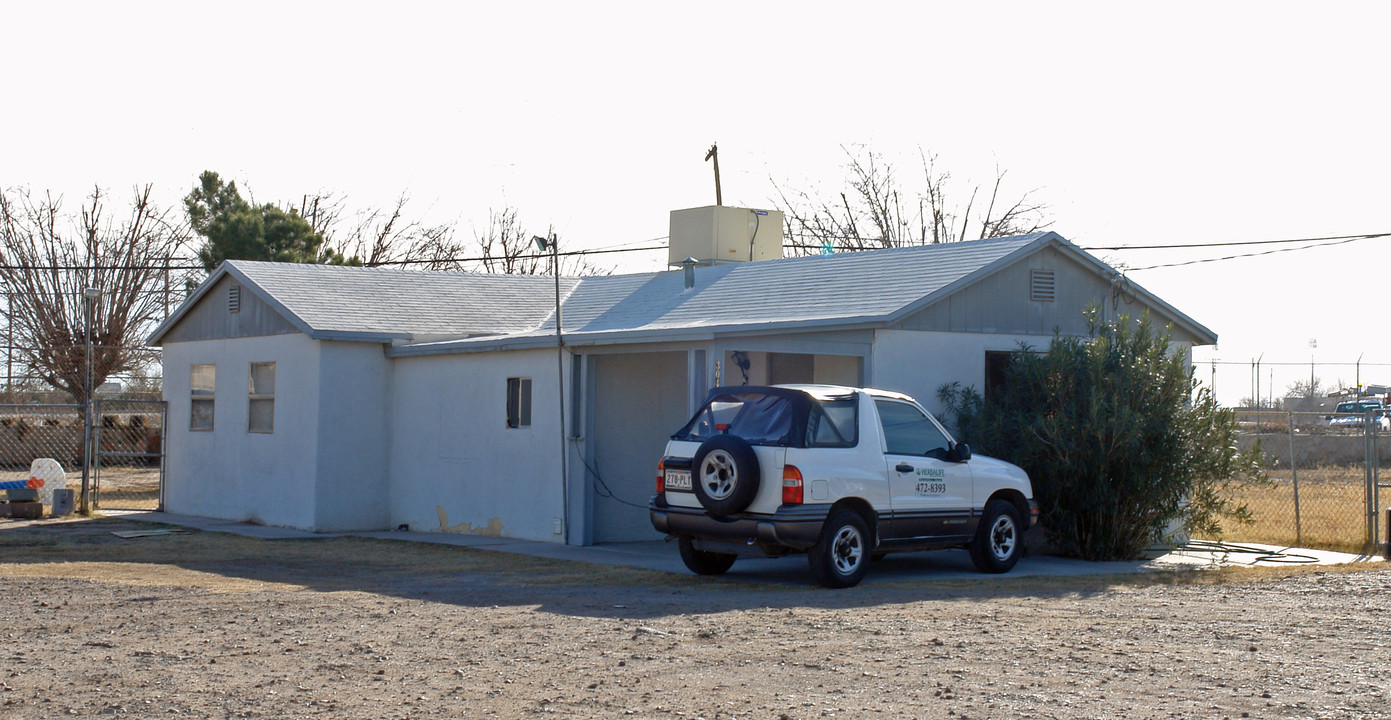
628, 337
1188, 323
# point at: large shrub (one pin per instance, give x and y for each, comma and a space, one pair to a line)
1117, 436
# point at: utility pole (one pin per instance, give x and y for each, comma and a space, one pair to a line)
544, 243
714, 154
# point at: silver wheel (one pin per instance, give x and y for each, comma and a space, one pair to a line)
841, 556
847, 549
999, 538
1004, 536
719, 474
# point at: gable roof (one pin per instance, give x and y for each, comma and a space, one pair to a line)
334, 302
436, 312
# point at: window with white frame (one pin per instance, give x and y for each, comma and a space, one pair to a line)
260, 416
202, 384
518, 402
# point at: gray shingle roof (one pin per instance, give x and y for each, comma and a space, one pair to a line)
822, 291
447, 312
328, 301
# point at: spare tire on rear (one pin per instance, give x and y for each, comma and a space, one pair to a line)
725, 474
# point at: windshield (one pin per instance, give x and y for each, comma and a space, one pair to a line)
1359, 408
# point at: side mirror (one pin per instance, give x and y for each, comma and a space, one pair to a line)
961, 452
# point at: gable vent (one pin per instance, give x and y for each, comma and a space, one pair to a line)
1042, 286
234, 299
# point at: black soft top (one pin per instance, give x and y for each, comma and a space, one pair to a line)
761, 414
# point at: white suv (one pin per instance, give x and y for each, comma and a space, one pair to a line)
842, 474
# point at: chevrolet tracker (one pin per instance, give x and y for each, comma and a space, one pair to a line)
841, 474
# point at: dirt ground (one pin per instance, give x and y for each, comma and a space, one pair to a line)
218, 626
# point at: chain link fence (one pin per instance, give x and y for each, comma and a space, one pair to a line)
1325, 473
128, 468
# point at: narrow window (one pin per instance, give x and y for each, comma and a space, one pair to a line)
202, 382
518, 402
260, 417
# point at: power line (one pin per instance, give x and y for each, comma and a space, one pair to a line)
1365, 236
1242, 255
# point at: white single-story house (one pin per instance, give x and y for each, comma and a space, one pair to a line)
342, 398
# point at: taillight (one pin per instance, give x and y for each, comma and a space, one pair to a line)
791, 485
661, 476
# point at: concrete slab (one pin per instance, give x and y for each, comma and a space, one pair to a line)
662, 556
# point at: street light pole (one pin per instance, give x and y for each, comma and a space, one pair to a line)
543, 243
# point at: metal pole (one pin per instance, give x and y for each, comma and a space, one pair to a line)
1368, 443
560, 397
1294, 473
85, 506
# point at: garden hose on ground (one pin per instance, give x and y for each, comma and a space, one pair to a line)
1262, 554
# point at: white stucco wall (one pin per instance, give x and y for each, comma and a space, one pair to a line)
354, 438
455, 465
230, 473
919, 362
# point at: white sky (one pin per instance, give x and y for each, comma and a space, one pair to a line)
1187, 122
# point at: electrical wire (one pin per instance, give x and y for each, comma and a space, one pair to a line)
1242, 255
1242, 242
602, 490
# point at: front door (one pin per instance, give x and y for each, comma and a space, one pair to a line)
931, 496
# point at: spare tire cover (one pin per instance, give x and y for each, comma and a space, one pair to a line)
725, 474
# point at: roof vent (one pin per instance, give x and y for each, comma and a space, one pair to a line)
1042, 286
234, 299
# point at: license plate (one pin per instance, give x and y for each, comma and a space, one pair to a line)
678, 480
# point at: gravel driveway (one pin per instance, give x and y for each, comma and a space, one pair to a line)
212, 625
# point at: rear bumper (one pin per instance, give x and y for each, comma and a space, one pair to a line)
791, 526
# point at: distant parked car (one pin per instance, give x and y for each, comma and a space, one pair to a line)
1352, 415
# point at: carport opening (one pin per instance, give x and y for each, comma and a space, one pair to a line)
775, 368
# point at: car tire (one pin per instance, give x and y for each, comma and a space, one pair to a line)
702, 562
999, 538
841, 556
724, 474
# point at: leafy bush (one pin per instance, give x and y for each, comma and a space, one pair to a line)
1117, 436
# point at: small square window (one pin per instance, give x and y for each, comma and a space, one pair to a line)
260, 416
518, 402
202, 385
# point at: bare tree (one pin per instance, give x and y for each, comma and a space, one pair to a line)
508, 248
383, 236
875, 211
48, 258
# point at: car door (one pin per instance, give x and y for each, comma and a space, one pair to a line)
930, 495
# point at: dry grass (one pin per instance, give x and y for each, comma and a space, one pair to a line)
1332, 510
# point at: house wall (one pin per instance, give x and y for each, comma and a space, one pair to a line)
352, 458
455, 465
230, 473
211, 319
917, 363
1000, 303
